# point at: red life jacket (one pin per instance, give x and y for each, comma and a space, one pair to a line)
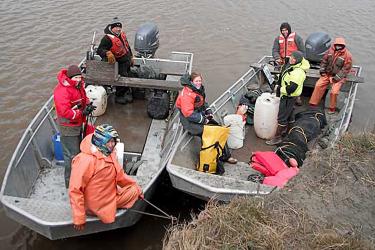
273, 167
281, 178
119, 48
287, 45
189, 101
268, 163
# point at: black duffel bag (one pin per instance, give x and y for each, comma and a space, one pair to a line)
158, 105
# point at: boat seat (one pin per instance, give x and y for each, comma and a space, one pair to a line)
102, 73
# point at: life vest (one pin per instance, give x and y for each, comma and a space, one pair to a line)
287, 45
213, 141
268, 163
189, 101
273, 167
119, 48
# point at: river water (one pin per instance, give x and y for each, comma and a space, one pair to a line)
38, 37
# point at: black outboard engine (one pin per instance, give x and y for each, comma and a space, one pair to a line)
316, 45
146, 40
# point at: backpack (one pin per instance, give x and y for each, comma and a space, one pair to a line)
158, 105
213, 141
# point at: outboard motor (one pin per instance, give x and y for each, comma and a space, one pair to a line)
146, 40
316, 45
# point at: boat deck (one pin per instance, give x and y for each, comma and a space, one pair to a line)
131, 122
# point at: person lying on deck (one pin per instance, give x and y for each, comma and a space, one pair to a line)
94, 171
193, 108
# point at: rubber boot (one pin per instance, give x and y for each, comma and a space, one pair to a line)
299, 101
278, 136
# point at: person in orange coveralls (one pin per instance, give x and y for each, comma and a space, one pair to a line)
334, 68
98, 184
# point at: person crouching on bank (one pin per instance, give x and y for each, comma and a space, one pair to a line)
94, 171
292, 78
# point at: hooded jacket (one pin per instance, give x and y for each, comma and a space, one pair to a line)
292, 78
191, 101
70, 100
93, 184
118, 44
337, 62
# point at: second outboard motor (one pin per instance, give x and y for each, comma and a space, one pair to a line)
146, 40
316, 45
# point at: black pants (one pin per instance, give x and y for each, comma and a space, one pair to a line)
286, 110
124, 64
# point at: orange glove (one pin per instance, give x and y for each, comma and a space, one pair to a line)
111, 57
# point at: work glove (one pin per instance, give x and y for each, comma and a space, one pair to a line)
242, 109
110, 57
89, 109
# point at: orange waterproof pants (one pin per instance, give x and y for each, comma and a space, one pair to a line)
127, 196
321, 86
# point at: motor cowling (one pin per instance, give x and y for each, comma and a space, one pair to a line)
316, 45
146, 40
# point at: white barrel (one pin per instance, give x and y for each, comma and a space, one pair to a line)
236, 130
265, 115
120, 153
98, 97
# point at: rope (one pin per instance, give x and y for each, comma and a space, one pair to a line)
150, 214
161, 211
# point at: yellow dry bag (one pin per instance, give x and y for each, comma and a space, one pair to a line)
214, 138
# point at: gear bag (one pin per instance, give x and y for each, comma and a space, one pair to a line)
210, 156
158, 105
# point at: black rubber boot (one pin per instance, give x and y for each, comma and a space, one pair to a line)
278, 136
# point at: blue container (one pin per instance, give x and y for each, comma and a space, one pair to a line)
59, 156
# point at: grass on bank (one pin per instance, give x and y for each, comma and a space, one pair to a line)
286, 219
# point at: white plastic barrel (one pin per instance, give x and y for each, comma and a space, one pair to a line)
265, 115
120, 153
236, 130
98, 97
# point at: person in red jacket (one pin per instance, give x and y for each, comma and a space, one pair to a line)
194, 110
334, 68
114, 47
71, 106
98, 184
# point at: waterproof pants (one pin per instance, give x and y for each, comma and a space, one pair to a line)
320, 88
286, 110
123, 70
127, 196
70, 145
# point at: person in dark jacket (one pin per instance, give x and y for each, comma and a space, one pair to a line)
72, 107
194, 110
114, 47
286, 43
